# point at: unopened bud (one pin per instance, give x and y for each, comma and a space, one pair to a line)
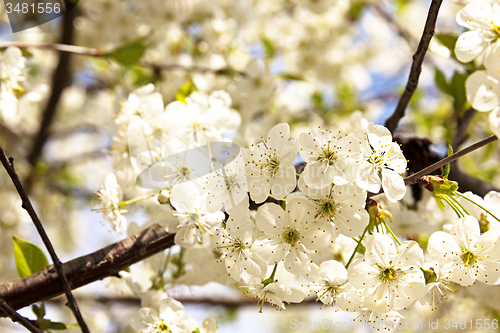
430, 275
164, 197
484, 224
437, 185
373, 208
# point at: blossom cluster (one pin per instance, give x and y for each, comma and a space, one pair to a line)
481, 43
261, 217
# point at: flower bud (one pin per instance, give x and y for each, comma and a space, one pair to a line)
164, 197
437, 185
430, 275
484, 224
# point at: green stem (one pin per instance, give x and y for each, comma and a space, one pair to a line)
459, 204
453, 206
390, 231
356, 249
131, 201
271, 278
475, 203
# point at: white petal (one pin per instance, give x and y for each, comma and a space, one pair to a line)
470, 45
393, 185
482, 91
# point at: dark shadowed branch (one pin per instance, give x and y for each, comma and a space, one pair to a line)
16, 317
416, 66
61, 79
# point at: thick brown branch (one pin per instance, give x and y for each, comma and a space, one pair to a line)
26, 204
416, 66
87, 269
16, 317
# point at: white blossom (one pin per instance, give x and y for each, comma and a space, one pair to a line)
465, 255
269, 165
169, 318
110, 198
235, 243
383, 164
289, 235
390, 277
195, 221
330, 157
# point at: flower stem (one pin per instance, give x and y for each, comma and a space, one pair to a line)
453, 206
357, 247
460, 205
131, 201
271, 278
390, 231
475, 203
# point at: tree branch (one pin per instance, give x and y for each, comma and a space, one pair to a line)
87, 51
64, 47
87, 269
60, 80
413, 179
416, 66
26, 204
16, 317
402, 32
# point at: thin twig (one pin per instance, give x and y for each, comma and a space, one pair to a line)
413, 179
396, 26
196, 69
26, 204
16, 317
416, 66
87, 51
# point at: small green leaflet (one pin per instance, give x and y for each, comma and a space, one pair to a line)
445, 170
57, 326
184, 91
269, 50
29, 258
129, 54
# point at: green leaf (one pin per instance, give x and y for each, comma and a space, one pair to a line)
445, 170
29, 258
39, 310
130, 53
197, 330
441, 82
57, 326
289, 76
269, 50
457, 86
448, 41
355, 10
184, 91
317, 101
